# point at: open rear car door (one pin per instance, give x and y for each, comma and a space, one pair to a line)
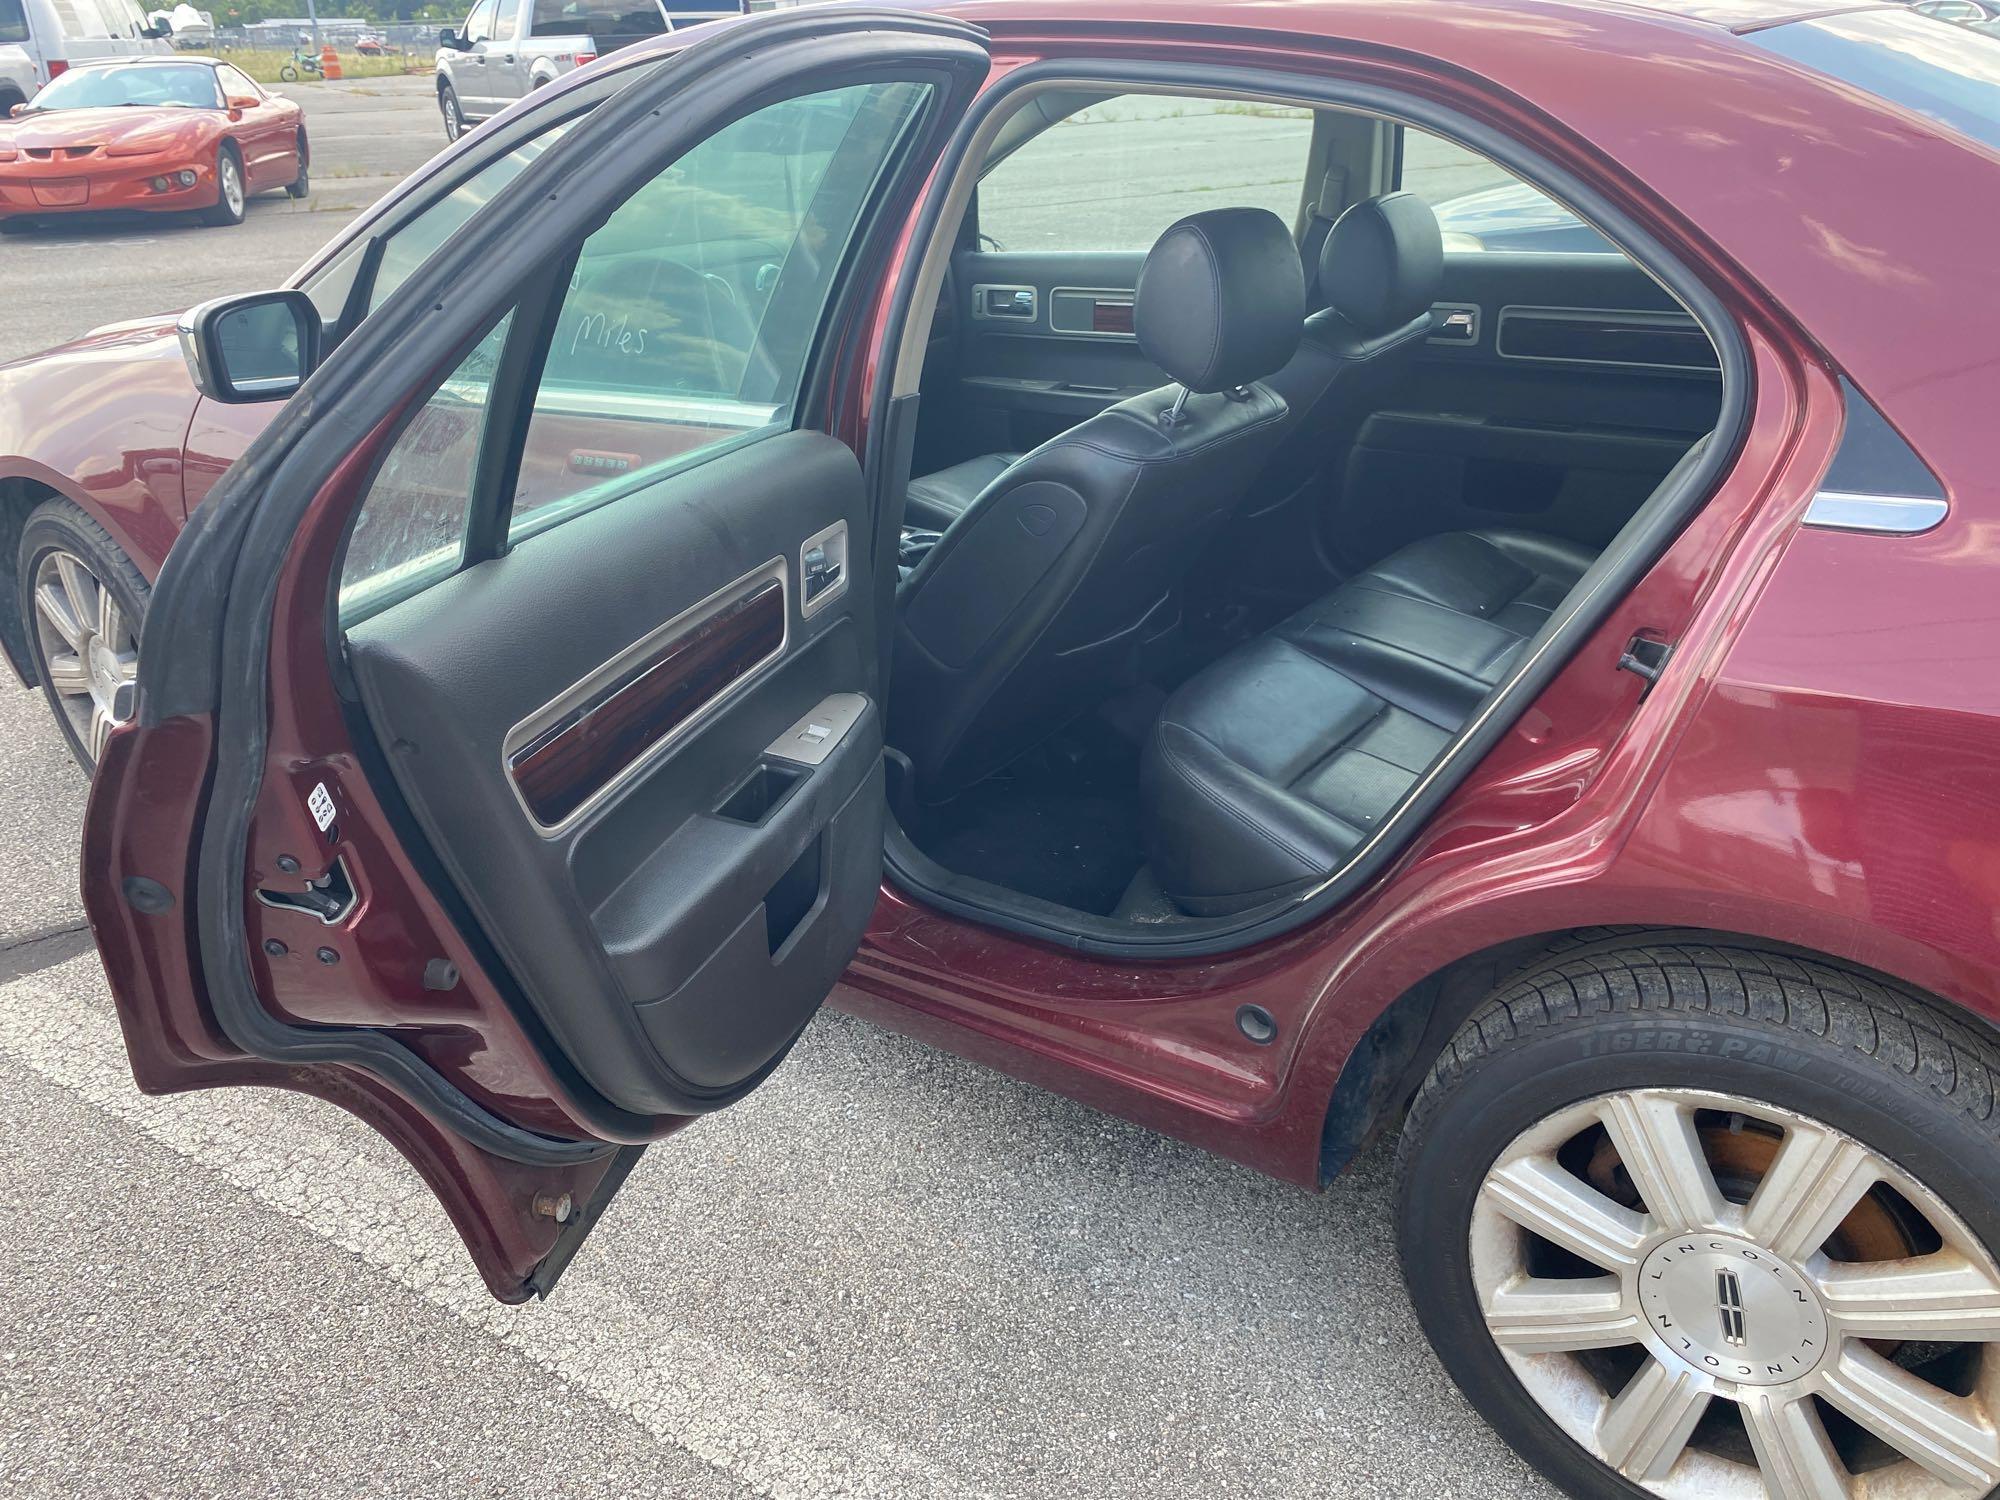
506, 765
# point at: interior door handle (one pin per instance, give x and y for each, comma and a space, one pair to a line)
821, 573
822, 568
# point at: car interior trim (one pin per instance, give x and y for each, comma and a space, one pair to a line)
1580, 336
1620, 566
564, 759
1117, 300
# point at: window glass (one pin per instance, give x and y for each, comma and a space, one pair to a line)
13, 24
685, 326
1116, 176
1949, 73
1482, 206
415, 242
237, 85
80, 18
689, 316
163, 85
601, 19
479, 25
412, 525
505, 20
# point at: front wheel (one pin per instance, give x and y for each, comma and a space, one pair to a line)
85, 605
287, 73
301, 185
454, 117
230, 192
1693, 1219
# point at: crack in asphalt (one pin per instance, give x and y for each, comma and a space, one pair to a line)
32, 952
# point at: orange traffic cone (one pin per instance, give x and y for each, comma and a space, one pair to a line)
329, 62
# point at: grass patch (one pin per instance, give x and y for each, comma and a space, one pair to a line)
264, 66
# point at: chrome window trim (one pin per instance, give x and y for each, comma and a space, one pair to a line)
1895, 515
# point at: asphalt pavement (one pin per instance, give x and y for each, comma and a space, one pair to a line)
888, 1273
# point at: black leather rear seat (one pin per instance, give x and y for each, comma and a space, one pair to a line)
1270, 766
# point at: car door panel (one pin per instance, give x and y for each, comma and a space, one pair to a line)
346, 892
1020, 379
1582, 385
580, 782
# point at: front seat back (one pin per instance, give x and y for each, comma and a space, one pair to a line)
1042, 598
1379, 273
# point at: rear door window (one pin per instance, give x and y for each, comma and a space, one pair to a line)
1116, 176
13, 24
1482, 206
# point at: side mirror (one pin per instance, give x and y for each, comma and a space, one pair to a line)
450, 38
259, 347
21, 111
158, 31
240, 102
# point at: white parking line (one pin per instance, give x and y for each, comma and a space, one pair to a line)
328, 1174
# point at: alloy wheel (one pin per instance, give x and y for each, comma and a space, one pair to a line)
232, 183
1719, 1298
89, 647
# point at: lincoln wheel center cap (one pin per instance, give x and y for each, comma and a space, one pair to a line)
1732, 1310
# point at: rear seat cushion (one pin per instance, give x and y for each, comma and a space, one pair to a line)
1268, 769
934, 501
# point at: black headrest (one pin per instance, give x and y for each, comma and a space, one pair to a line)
1383, 262
1221, 299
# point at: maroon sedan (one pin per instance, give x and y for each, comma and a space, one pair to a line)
149, 135
1015, 517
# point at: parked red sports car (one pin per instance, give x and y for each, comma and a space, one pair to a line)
151, 135
1254, 669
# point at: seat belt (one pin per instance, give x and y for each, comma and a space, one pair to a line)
1327, 207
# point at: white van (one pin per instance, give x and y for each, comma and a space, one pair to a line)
40, 38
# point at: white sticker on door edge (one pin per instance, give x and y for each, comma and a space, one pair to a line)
320, 805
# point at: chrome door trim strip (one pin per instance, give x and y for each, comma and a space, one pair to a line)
777, 570
1897, 515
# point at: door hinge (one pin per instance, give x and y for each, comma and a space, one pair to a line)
1645, 658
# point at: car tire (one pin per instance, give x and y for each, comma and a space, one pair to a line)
1767, 1067
301, 185
232, 192
454, 116
79, 591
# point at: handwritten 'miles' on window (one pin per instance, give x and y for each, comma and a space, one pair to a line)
596, 331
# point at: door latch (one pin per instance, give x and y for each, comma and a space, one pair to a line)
329, 898
1645, 658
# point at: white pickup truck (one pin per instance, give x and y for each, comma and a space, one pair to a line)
506, 48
